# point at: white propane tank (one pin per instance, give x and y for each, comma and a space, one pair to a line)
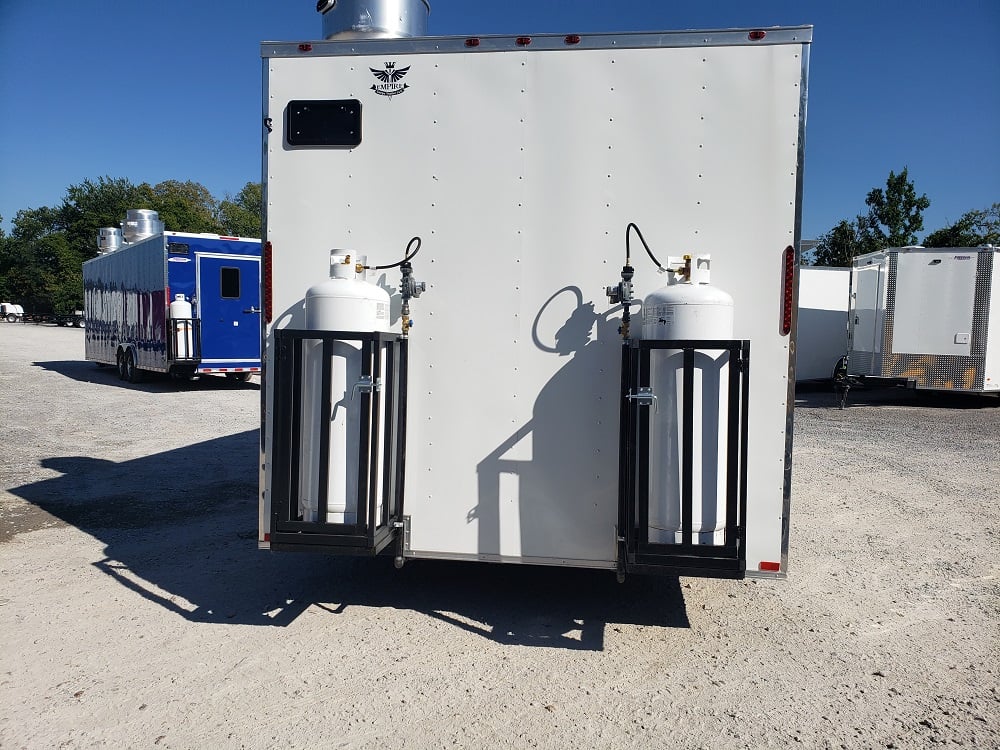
688, 308
182, 312
344, 302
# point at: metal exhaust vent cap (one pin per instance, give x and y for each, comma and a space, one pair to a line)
109, 239
141, 223
373, 19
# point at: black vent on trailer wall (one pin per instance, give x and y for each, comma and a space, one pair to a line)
332, 122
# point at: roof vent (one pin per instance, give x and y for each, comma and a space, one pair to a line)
109, 239
373, 19
141, 223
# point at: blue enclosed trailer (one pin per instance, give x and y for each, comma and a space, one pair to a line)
177, 303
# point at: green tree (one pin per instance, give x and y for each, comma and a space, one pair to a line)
91, 205
975, 228
240, 216
39, 268
41, 260
183, 206
840, 245
895, 214
4, 240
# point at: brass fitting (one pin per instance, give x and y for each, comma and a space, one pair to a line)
685, 270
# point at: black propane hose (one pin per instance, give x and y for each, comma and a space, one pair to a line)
628, 251
408, 258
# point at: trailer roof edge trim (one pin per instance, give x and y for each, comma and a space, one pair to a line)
510, 43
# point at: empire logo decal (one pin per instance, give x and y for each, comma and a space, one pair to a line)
390, 80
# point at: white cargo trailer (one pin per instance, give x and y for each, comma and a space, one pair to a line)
821, 338
525, 418
927, 318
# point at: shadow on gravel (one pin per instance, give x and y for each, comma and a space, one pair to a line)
179, 530
822, 396
85, 371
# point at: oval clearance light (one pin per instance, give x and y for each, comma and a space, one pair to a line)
523, 41
788, 291
772, 567
756, 35
573, 39
472, 42
305, 47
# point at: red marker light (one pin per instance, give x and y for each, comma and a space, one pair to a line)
305, 47
756, 35
267, 537
523, 41
267, 282
472, 42
788, 291
573, 39
772, 567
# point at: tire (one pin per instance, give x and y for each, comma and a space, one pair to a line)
132, 373
121, 365
11, 318
240, 377
79, 323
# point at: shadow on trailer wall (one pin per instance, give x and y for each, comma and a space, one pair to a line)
185, 547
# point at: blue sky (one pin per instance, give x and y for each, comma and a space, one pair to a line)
154, 91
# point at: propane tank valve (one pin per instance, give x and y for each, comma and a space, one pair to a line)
684, 270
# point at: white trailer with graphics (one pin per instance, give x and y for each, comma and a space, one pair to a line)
927, 318
528, 407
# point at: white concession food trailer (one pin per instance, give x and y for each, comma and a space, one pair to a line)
554, 390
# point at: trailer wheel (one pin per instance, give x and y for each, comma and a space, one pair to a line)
132, 373
241, 377
120, 364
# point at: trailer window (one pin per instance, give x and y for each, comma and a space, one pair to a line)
323, 122
230, 283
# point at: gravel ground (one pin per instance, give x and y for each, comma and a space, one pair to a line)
136, 610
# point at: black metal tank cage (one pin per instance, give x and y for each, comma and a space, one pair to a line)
636, 554
381, 437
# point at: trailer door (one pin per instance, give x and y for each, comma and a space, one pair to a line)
866, 320
228, 305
